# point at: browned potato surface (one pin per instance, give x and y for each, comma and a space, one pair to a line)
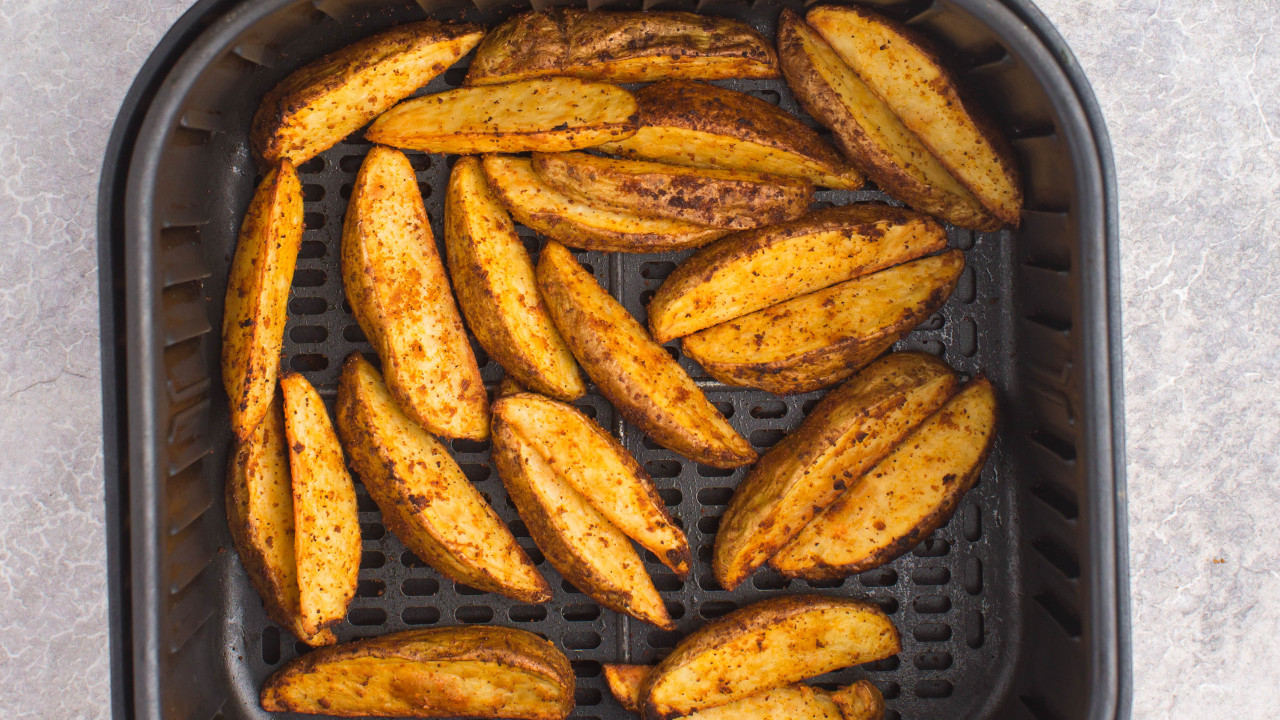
860, 701
791, 702
624, 683
621, 47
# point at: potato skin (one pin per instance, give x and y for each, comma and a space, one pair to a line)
790, 702
319, 104
860, 701
621, 47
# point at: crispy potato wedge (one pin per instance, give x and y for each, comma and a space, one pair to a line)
636, 374
400, 295
770, 644
470, 671
848, 432
587, 549
323, 102
597, 466
326, 523
868, 131
750, 271
821, 338
621, 47
551, 115
860, 701
254, 315
493, 277
624, 683
700, 125
425, 498
733, 199
583, 225
904, 498
260, 516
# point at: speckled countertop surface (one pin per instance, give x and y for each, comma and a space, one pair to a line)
1191, 93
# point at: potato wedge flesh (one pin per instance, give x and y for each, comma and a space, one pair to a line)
859, 701
550, 115
906, 496
624, 683
793, 702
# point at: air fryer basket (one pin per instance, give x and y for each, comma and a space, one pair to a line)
1014, 609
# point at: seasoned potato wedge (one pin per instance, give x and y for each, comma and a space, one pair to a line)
400, 295
551, 114
647, 386
470, 671
770, 644
821, 338
733, 199
869, 132
904, 498
326, 524
701, 125
260, 515
425, 498
493, 276
583, 225
587, 549
860, 701
253, 317
323, 102
590, 461
848, 432
621, 47
624, 683
750, 271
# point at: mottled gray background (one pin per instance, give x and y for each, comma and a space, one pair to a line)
1191, 91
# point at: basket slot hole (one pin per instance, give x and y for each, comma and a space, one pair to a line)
353, 334
880, 577
932, 632
570, 588
366, 617
716, 609
825, 584
767, 437
935, 322
463, 445
931, 576
971, 522
420, 615
410, 560
580, 613
270, 645
888, 664
586, 696
309, 277
527, 613
314, 221
364, 502
464, 589
931, 604
350, 163
932, 547
372, 559
312, 192
308, 362
656, 270
586, 668
933, 661
769, 410
588, 410
715, 496
934, 689
308, 334
974, 630
650, 443
709, 524
725, 408
675, 609
476, 472
770, 580
307, 306
312, 249
535, 555
888, 604
1060, 557
420, 587
425, 189
809, 405
473, 614
662, 468
1064, 615
372, 531
666, 582
370, 588
1056, 498
671, 497
312, 166
972, 577
582, 640
663, 639
707, 581
708, 471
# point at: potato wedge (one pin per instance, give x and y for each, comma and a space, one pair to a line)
551, 115
860, 701
868, 131
636, 374
568, 220
425, 498
323, 102
325, 519
399, 294
624, 683
254, 315
493, 276
821, 338
848, 432
750, 271
590, 461
470, 671
770, 644
587, 549
621, 47
700, 125
260, 516
733, 199
905, 497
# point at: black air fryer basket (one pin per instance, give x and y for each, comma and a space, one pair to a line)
1016, 608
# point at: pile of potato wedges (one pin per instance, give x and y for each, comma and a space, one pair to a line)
776, 294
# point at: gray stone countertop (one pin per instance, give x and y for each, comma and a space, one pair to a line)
1191, 93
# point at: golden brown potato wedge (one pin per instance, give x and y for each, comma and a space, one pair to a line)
750, 271
587, 549
590, 461
868, 131
733, 199
326, 523
470, 671
254, 315
425, 498
848, 432
583, 225
400, 295
550, 114
493, 276
621, 47
624, 683
260, 515
770, 644
323, 102
635, 373
860, 701
821, 338
904, 498
700, 125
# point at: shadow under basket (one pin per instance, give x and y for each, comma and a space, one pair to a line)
1017, 608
